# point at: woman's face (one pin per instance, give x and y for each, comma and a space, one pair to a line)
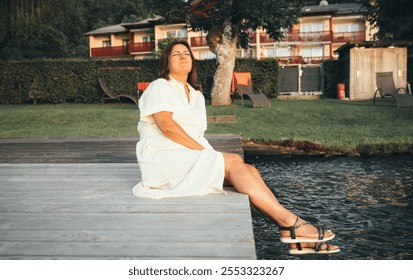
179, 61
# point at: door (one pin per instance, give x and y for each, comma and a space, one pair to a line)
288, 79
311, 79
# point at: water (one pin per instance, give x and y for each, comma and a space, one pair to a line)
366, 201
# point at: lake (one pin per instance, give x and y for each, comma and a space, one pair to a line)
366, 201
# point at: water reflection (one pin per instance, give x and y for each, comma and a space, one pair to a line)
368, 202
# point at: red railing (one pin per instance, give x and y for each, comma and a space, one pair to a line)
180, 39
253, 38
265, 38
301, 60
341, 37
141, 47
200, 41
109, 51
320, 36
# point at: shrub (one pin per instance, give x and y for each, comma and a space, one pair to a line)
63, 80
331, 77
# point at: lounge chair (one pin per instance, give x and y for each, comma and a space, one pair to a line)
242, 87
387, 91
109, 95
141, 87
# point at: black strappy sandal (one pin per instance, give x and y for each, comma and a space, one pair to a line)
294, 239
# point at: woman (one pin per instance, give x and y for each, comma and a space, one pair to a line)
176, 160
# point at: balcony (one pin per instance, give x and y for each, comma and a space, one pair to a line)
141, 47
343, 37
109, 51
285, 60
320, 36
265, 38
169, 39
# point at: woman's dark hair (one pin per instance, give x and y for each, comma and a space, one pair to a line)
164, 69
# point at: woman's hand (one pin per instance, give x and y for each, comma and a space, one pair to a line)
174, 131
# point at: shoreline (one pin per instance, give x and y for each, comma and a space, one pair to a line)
289, 148
250, 148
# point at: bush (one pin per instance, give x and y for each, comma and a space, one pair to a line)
47, 81
264, 74
331, 77
63, 80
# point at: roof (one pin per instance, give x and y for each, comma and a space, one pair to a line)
148, 22
373, 44
118, 28
333, 9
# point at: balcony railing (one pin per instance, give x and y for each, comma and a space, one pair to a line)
321, 36
109, 51
141, 47
301, 60
342, 37
166, 39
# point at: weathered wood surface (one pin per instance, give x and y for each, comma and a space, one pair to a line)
94, 150
72, 199
87, 211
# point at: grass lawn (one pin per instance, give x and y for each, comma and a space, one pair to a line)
332, 123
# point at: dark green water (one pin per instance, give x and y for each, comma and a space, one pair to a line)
366, 201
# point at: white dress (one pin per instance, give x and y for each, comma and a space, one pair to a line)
168, 168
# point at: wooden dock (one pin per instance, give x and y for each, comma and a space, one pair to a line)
91, 150
68, 208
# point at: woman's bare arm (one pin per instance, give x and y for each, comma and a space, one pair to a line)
174, 131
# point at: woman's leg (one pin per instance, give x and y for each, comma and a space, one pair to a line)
246, 179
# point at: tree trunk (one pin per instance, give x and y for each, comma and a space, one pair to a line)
225, 46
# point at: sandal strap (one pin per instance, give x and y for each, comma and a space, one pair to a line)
320, 233
295, 226
318, 246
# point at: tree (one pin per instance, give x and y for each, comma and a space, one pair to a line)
40, 28
393, 18
50, 28
228, 24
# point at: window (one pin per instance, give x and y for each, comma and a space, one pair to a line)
312, 27
206, 55
125, 42
312, 52
347, 27
147, 39
277, 52
107, 43
176, 34
283, 51
269, 52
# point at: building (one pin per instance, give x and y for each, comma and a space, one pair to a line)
321, 30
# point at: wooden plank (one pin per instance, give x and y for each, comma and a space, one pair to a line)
91, 150
145, 235
124, 250
87, 211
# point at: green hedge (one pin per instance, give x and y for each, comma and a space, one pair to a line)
331, 78
264, 74
47, 81
62, 80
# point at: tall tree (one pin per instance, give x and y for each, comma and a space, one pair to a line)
50, 28
393, 18
229, 23
40, 28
